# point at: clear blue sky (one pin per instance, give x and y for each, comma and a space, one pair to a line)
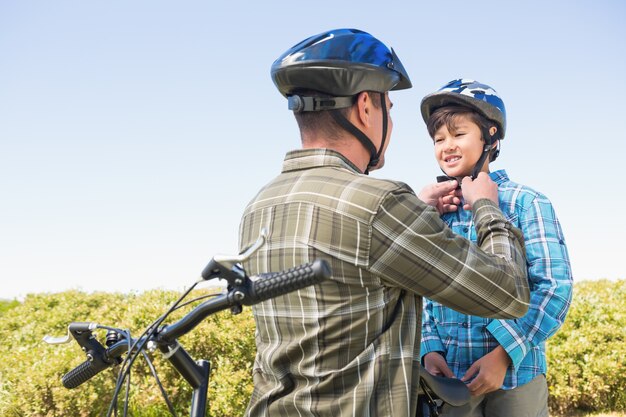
133, 133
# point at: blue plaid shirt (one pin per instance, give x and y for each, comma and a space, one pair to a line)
464, 339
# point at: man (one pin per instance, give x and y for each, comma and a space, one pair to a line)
350, 346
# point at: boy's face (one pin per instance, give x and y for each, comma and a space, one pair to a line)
458, 151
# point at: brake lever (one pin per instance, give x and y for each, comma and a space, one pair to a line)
226, 266
58, 340
71, 330
230, 261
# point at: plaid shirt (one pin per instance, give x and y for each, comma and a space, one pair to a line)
464, 339
350, 345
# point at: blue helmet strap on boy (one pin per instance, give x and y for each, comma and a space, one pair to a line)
362, 137
487, 148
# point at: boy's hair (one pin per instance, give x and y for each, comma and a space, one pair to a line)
323, 121
447, 115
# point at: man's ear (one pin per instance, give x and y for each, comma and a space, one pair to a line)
363, 107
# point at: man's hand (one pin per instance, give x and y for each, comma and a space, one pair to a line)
481, 187
443, 196
490, 371
436, 365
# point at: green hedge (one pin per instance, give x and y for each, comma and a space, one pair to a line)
30, 374
587, 357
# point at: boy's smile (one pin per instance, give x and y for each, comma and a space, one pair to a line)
457, 151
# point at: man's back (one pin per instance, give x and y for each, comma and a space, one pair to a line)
326, 348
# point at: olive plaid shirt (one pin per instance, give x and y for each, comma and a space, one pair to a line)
350, 346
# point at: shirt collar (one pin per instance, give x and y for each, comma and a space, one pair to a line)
316, 158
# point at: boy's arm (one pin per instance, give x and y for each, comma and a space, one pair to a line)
550, 280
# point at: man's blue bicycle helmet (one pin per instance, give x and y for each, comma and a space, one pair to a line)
339, 63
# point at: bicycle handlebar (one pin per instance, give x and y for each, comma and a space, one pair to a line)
278, 283
84, 372
250, 291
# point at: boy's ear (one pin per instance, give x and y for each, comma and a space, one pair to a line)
493, 130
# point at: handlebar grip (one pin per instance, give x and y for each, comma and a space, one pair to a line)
278, 283
82, 373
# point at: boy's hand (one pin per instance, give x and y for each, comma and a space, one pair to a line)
437, 365
444, 196
489, 370
481, 187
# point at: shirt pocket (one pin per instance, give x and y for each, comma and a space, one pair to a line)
447, 322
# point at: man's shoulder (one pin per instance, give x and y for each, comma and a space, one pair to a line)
387, 184
310, 167
334, 176
329, 188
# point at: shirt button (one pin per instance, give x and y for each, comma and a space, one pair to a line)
466, 325
465, 229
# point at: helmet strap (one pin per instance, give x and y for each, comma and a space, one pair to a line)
383, 105
362, 137
299, 104
494, 153
487, 148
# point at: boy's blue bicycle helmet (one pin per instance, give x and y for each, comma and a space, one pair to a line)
468, 93
339, 63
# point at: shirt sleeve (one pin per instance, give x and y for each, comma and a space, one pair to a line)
550, 281
411, 247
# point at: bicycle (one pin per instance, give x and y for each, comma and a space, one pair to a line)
241, 290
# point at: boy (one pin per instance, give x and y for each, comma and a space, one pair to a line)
503, 362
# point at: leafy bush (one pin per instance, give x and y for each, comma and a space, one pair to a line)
587, 357
30, 375
6, 305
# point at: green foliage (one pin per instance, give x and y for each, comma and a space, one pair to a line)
30, 375
587, 357
6, 305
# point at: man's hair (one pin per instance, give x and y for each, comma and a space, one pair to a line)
322, 121
448, 116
